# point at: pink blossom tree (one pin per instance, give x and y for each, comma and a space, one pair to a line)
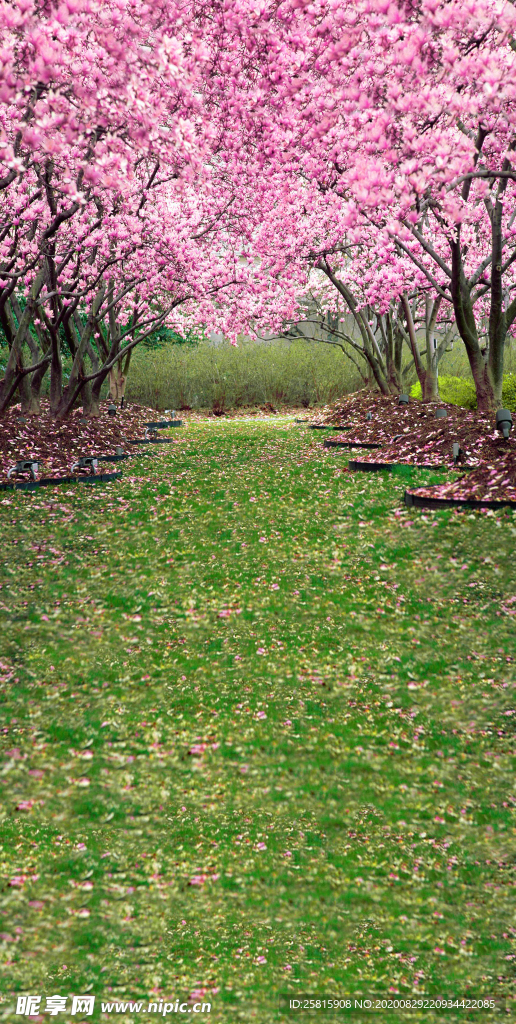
405, 112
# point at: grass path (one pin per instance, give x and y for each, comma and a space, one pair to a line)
258, 733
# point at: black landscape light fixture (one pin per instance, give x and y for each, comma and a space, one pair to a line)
24, 466
112, 409
369, 416
504, 422
86, 463
403, 400
456, 451
441, 414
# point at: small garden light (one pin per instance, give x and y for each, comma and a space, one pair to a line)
456, 451
403, 400
86, 463
369, 416
441, 414
151, 433
24, 466
119, 450
504, 422
112, 410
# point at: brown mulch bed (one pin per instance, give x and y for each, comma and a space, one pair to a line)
57, 446
490, 481
412, 435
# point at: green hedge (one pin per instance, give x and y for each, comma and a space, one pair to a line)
461, 391
219, 377
509, 391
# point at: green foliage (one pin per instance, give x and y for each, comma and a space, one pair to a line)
461, 391
165, 336
456, 390
224, 377
509, 391
234, 756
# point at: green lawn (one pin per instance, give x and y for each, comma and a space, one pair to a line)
258, 724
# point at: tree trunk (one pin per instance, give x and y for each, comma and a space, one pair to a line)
35, 386
430, 387
30, 404
425, 379
56, 372
486, 400
497, 320
398, 354
466, 324
73, 387
393, 372
90, 402
29, 395
116, 383
15, 360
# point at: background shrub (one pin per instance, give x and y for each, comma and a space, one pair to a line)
456, 390
218, 377
509, 391
461, 391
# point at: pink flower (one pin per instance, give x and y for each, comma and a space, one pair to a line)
202, 879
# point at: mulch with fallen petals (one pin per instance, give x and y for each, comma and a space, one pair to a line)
413, 435
57, 446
